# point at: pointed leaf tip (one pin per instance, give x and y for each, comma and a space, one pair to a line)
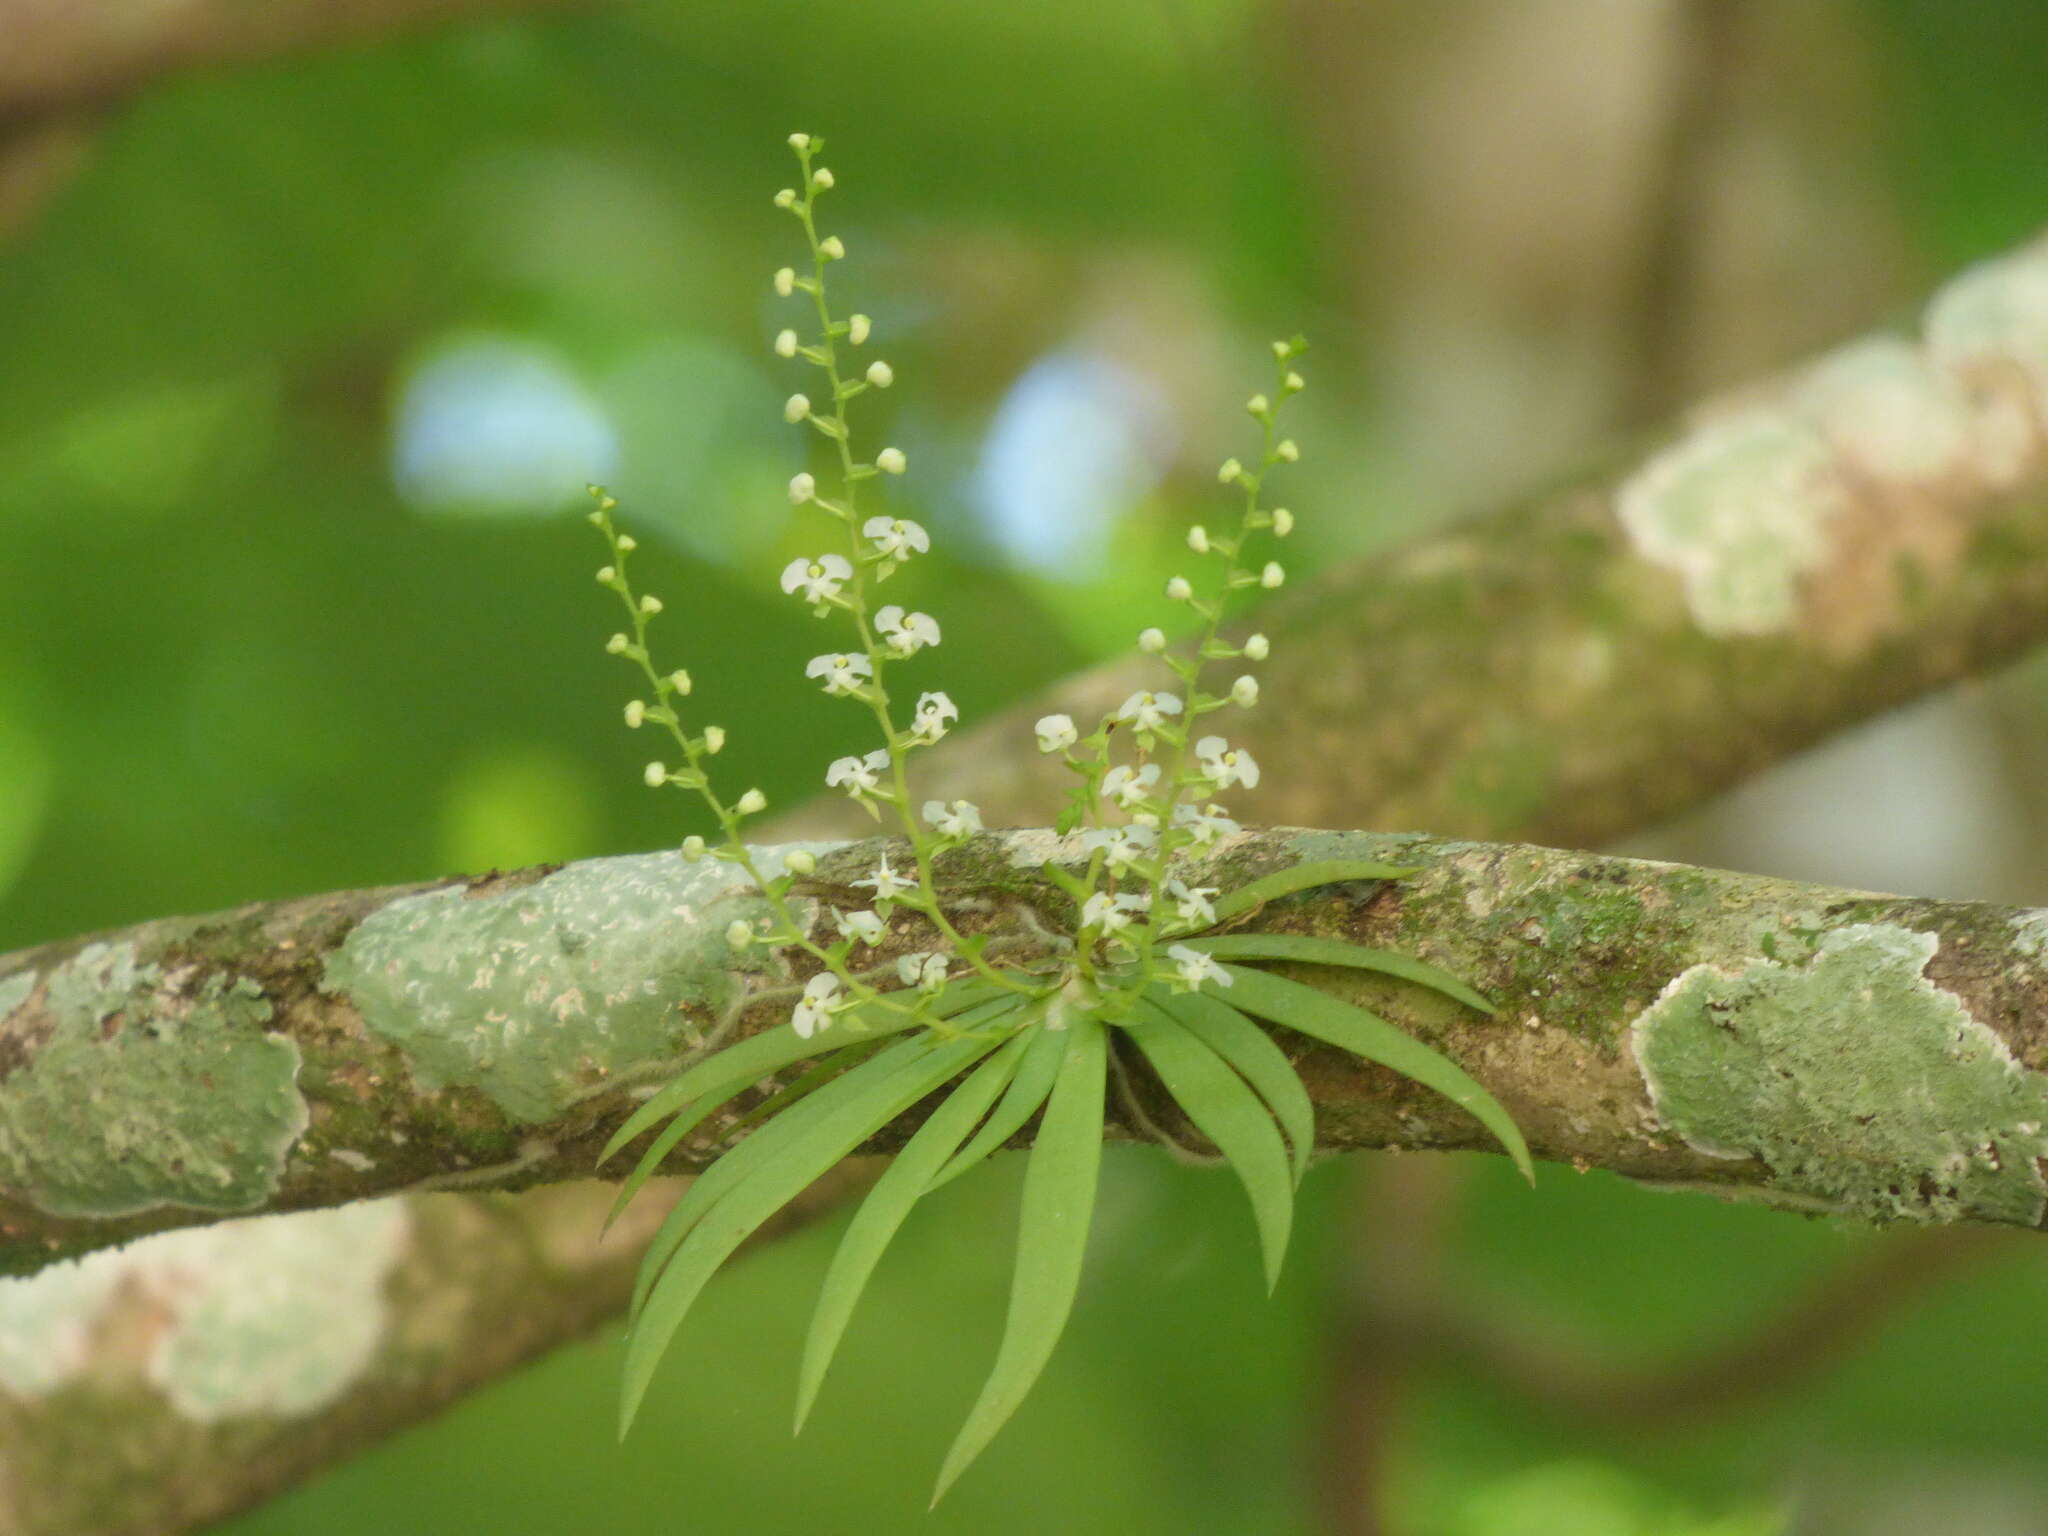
1052, 1235
907, 1179
1306, 877
1319, 951
1224, 1109
1366, 1034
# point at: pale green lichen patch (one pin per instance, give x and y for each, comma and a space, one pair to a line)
539, 994
150, 1088
1739, 511
1887, 411
1994, 317
46, 1322
274, 1316
2030, 933
1857, 1081
277, 1316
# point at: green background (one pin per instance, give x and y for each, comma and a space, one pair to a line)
250, 648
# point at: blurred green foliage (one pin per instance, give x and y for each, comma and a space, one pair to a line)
236, 663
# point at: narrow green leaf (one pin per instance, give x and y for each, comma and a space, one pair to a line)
812, 1079
908, 1178
1252, 1052
1303, 947
1226, 1111
1052, 1236
1366, 1034
716, 1095
750, 1060
735, 1165
1305, 877
776, 1180
716, 1083
711, 1083
1027, 1090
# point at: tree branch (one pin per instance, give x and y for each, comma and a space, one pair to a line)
137, 1398
1812, 1047
1800, 555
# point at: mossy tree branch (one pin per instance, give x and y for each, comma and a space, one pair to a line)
1800, 1044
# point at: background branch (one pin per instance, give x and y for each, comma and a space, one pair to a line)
66, 55
1799, 555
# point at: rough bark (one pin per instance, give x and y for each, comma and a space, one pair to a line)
1811, 1046
1797, 556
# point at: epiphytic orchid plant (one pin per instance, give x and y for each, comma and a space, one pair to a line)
1145, 968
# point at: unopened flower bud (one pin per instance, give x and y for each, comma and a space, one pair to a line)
1287, 450
1179, 589
786, 198
617, 645
821, 178
1229, 471
799, 142
832, 248
739, 934
1295, 384
890, 461
1283, 522
693, 848
1258, 648
752, 803
880, 374
1198, 539
680, 681
606, 575
785, 281
1272, 575
1282, 351
1245, 691
796, 408
801, 489
656, 775
627, 543
636, 712
714, 739
1151, 641
857, 327
785, 343
801, 861
1258, 405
